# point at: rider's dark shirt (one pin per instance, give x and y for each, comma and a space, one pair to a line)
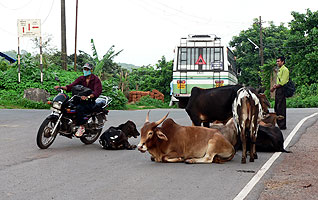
94, 84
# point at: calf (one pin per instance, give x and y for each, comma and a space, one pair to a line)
270, 119
117, 137
270, 139
191, 144
228, 131
247, 113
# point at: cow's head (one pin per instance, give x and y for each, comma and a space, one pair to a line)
270, 119
264, 103
129, 128
150, 133
262, 98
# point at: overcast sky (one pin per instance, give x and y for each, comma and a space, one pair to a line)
145, 29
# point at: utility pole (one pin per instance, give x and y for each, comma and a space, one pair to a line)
75, 36
261, 50
63, 32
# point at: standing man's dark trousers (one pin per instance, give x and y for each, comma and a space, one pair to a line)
280, 107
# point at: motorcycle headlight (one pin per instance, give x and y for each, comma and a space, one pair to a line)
57, 105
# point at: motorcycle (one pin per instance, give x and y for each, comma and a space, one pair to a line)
62, 120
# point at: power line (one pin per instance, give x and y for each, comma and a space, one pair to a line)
181, 14
18, 8
48, 13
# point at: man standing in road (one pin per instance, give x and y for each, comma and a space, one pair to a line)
280, 99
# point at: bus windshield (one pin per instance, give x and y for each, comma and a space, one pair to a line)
200, 58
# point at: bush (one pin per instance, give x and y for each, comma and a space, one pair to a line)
301, 102
148, 101
119, 100
13, 99
12, 91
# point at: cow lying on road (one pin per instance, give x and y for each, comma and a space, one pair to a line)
270, 119
191, 144
269, 138
117, 137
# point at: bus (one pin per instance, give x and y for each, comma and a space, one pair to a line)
201, 61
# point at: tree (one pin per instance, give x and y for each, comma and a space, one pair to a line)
248, 60
302, 48
49, 52
147, 78
81, 59
164, 75
105, 67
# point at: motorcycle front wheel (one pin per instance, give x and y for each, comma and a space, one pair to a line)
90, 138
45, 136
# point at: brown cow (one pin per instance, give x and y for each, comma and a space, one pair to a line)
247, 113
228, 130
191, 144
270, 119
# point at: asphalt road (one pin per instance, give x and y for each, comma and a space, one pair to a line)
72, 170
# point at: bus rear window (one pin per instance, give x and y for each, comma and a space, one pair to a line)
200, 58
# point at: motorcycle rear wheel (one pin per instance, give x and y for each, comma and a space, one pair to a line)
91, 138
45, 137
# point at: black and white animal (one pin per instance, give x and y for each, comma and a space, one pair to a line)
116, 138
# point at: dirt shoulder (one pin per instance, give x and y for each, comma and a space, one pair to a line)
296, 177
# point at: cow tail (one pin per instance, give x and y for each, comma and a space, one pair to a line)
284, 150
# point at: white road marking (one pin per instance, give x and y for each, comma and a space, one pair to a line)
9, 126
250, 185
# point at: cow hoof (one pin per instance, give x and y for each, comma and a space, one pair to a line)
251, 159
189, 161
243, 161
152, 158
255, 156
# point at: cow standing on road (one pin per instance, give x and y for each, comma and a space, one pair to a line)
207, 105
247, 113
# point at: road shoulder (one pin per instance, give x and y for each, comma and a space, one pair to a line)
296, 177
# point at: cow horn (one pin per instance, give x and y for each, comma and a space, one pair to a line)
147, 117
161, 120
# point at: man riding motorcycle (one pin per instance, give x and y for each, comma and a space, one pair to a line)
86, 104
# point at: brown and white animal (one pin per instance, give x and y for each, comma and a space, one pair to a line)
191, 144
247, 113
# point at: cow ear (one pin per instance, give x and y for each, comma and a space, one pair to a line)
161, 136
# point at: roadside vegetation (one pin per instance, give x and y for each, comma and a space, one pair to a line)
298, 42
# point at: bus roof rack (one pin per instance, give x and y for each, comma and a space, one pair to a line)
200, 36
212, 36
